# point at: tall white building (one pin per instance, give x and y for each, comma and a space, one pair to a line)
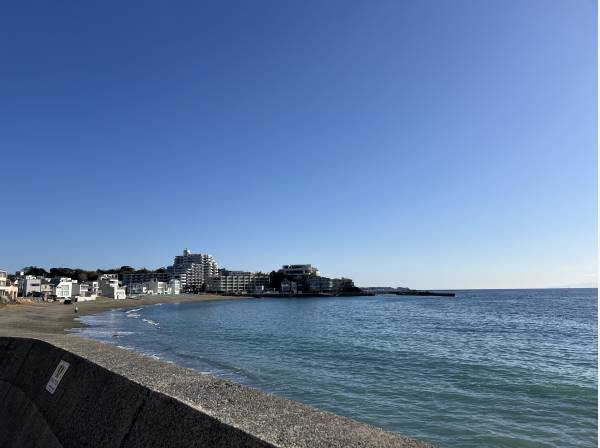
194, 270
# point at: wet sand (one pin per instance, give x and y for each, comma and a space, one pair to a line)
51, 318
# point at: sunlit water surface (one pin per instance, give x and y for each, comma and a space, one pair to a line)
488, 368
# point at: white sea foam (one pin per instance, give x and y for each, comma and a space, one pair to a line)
151, 322
133, 310
135, 315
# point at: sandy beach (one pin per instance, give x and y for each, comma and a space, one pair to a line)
51, 318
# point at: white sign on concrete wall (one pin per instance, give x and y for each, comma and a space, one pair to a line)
59, 372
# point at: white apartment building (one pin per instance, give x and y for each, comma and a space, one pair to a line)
63, 287
194, 270
172, 287
238, 282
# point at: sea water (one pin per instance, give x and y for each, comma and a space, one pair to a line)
487, 368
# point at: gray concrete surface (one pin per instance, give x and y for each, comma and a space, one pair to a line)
111, 397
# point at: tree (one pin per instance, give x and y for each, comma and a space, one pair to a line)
34, 270
275, 279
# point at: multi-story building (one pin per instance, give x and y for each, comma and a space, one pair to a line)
46, 288
8, 291
63, 287
95, 288
341, 284
108, 284
171, 287
143, 277
155, 287
290, 287
174, 286
328, 285
238, 282
30, 285
83, 292
320, 284
299, 270
194, 270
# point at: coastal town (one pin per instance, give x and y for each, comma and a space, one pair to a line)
190, 273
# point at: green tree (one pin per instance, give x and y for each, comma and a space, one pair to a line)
34, 270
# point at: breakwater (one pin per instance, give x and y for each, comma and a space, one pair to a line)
68, 392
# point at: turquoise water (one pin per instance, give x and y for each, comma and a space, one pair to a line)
503, 368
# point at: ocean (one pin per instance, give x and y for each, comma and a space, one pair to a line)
487, 368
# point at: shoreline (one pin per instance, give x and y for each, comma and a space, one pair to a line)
194, 405
39, 319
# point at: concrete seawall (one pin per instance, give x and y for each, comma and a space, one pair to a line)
109, 397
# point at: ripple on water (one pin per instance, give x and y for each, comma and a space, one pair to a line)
488, 368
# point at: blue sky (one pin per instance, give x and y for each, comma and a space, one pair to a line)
430, 144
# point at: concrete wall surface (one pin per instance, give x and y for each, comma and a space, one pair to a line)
109, 397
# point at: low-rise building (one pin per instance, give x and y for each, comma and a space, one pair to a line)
328, 285
46, 288
63, 287
174, 286
30, 285
156, 287
8, 290
142, 277
95, 288
237, 282
83, 292
341, 284
137, 288
320, 284
299, 270
290, 287
108, 285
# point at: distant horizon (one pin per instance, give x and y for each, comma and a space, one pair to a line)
417, 143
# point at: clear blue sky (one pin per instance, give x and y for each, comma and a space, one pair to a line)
431, 144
